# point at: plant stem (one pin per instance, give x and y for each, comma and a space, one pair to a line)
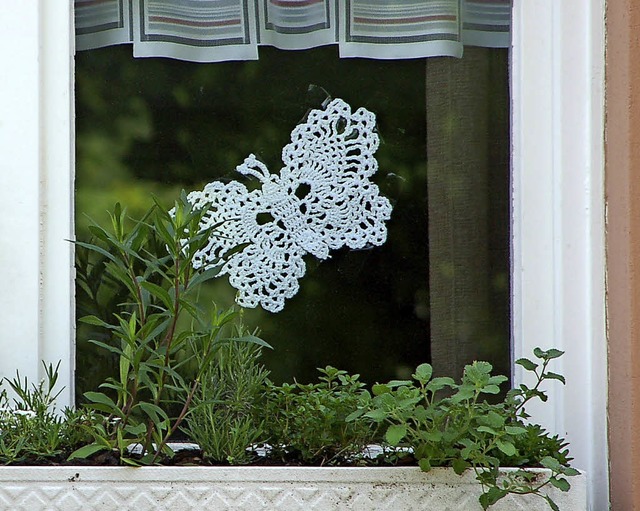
178, 421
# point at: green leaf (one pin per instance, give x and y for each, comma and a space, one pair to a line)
117, 214
491, 389
354, 415
204, 276
189, 307
498, 380
166, 233
551, 463
125, 364
459, 466
561, 483
376, 415
424, 464
547, 355
96, 248
158, 292
129, 461
395, 433
553, 353
431, 436
469, 450
486, 429
494, 419
137, 431
99, 233
87, 450
464, 393
551, 503
478, 372
440, 383
506, 447
99, 397
491, 496
554, 376
399, 383
153, 412
423, 373
102, 408
106, 346
515, 430
120, 274
133, 326
379, 389
238, 248
252, 339
153, 328
527, 364
482, 367
94, 320
156, 414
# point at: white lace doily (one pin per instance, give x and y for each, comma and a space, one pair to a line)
321, 200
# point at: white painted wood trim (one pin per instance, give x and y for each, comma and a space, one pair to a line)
558, 217
36, 189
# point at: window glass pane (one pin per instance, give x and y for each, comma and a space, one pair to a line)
438, 289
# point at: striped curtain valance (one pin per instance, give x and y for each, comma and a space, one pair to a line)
219, 30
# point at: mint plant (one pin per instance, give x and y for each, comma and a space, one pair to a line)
157, 332
305, 423
464, 430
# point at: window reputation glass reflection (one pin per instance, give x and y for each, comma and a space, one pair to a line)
155, 126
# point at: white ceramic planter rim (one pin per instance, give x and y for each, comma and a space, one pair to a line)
254, 488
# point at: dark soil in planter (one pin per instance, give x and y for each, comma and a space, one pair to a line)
194, 457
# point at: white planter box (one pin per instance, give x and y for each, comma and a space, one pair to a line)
258, 488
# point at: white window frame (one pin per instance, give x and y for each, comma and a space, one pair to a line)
558, 205
558, 254
36, 189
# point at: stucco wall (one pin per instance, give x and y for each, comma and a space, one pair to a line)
623, 249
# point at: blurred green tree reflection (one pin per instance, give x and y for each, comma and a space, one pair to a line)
155, 126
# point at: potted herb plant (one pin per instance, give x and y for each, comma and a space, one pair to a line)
437, 444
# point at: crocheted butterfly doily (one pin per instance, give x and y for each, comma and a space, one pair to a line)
322, 199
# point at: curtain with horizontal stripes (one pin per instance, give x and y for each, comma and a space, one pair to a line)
220, 30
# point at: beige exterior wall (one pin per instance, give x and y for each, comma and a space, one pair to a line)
622, 155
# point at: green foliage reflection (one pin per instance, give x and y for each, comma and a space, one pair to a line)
155, 126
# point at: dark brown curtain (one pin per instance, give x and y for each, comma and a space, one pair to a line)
468, 193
